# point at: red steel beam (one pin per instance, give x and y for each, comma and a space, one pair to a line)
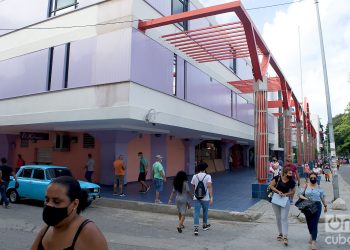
275, 104
200, 29
226, 48
222, 53
213, 45
232, 38
202, 34
189, 15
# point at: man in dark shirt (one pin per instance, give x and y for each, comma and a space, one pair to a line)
5, 172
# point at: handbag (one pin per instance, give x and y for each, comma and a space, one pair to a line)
279, 200
307, 207
270, 192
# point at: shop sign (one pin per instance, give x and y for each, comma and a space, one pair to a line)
34, 136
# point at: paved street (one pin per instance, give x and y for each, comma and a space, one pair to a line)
126, 229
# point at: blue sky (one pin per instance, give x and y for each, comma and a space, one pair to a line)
279, 28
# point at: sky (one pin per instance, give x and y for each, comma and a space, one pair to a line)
279, 28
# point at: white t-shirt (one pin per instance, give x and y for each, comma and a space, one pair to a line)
90, 165
317, 171
207, 179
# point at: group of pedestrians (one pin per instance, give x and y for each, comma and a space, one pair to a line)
284, 187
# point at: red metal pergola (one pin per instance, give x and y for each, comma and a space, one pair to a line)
236, 40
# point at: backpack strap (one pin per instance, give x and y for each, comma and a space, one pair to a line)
204, 177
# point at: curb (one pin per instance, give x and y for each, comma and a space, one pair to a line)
248, 216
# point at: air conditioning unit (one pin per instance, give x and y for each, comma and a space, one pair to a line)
62, 142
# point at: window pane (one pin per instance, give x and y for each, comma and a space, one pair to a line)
38, 174
26, 173
64, 3
178, 7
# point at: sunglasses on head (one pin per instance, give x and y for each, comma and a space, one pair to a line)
313, 178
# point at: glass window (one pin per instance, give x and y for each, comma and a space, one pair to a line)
59, 7
38, 174
88, 141
26, 173
57, 172
174, 74
179, 6
233, 65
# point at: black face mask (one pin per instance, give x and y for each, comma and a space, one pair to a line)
289, 177
54, 215
313, 181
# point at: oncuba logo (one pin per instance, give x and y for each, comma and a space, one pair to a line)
337, 223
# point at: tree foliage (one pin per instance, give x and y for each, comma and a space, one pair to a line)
341, 125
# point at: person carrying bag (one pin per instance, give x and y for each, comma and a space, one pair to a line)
309, 203
283, 187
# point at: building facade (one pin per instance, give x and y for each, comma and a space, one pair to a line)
80, 78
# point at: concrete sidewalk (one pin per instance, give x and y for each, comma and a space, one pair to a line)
267, 214
260, 212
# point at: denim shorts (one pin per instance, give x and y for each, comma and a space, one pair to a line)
158, 183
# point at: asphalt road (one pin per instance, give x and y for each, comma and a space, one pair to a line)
134, 230
344, 170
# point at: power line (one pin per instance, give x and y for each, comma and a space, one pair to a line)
111, 23
275, 5
69, 27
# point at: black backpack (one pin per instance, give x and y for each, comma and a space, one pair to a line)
200, 191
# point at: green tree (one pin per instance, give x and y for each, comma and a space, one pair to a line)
342, 132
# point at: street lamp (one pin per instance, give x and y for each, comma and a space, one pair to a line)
329, 108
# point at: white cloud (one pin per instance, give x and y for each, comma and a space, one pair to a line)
281, 36
280, 33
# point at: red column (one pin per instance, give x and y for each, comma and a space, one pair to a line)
299, 144
305, 143
260, 131
287, 134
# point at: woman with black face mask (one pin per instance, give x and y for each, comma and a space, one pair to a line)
65, 228
313, 192
284, 185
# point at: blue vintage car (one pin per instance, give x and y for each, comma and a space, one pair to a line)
34, 180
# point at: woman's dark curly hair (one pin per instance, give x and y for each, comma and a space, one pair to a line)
74, 191
179, 180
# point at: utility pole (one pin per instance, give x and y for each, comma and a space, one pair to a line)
329, 108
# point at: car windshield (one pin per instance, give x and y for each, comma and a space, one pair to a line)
57, 172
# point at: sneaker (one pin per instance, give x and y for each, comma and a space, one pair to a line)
206, 227
158, 202
195, 232
291, 202
122, 195
7, 206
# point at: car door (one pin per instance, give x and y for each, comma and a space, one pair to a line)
24, 179
39, 184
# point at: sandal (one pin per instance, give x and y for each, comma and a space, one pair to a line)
179, 229
280, 237
182, 227
313, 247
285, 241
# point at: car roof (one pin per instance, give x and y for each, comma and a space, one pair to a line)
43, 166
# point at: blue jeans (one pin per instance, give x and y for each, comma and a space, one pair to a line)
88, 175
158, 183
3, 188
312, 221
198, 204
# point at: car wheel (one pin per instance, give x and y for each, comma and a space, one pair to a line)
13, 196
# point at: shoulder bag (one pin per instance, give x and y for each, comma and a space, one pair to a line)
307, 207
270, 192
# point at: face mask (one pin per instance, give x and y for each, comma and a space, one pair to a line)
289, 177
313, 181
54, 215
